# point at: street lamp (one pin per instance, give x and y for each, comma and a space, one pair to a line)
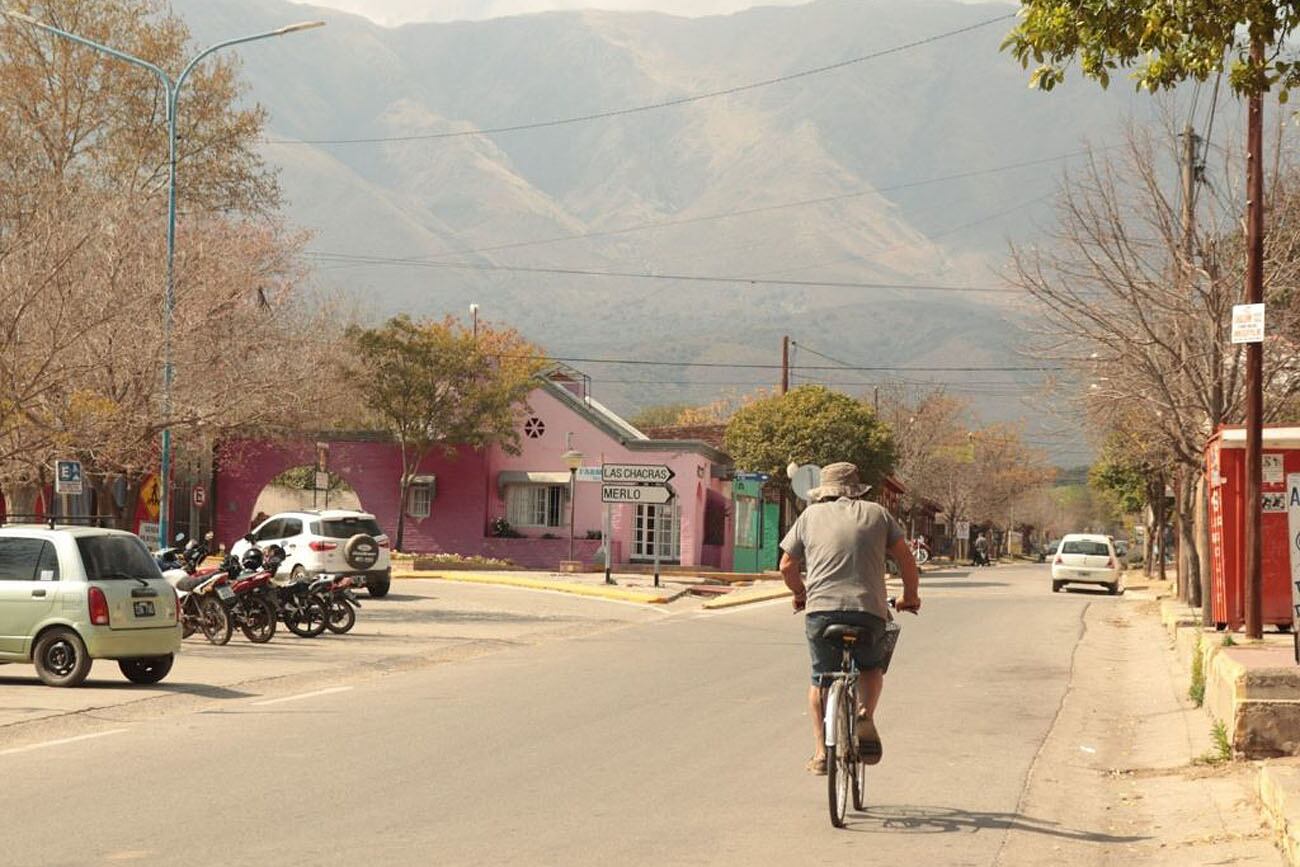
172, 89
572, 460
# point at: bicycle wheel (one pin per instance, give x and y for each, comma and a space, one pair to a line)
839, 754
859, 769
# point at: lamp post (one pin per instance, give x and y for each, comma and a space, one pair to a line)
171, 88
572, 460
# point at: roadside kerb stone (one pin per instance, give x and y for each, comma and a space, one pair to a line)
602, 591
745, 597
1278, 787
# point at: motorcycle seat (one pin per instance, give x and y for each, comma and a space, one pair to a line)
189, 582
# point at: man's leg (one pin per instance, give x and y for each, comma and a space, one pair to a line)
817, 710
870, 685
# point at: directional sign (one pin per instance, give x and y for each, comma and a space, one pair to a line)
648, 495
636, 474
67, 478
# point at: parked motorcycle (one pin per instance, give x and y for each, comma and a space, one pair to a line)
200, 592
343, 603
253, 607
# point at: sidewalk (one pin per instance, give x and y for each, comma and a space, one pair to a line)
1251, 689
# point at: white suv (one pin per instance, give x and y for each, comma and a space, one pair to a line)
1085, 558
331, 541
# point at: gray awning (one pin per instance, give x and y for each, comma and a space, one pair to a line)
530, 477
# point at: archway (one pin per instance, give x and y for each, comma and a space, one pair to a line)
295, 490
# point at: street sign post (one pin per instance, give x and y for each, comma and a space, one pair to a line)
643, 495
636, 474
67, 479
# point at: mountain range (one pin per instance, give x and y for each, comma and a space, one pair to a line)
400, 150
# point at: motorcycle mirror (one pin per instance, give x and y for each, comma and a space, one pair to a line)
180, 537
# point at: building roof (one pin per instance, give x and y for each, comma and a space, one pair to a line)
618, 429
713, 434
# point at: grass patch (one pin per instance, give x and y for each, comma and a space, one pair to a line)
1222, 747
1196, 692
1229, 641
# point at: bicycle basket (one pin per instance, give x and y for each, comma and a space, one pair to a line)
889, 642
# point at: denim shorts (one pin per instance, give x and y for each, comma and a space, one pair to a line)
827, 656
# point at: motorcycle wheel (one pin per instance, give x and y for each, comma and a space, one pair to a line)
259, 621
342, 616
307, 620
215, 622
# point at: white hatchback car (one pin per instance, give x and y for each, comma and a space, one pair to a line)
1087, 558
330, 541
71, 595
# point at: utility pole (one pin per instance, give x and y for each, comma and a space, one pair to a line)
785, 364
1254, 353
1191, 174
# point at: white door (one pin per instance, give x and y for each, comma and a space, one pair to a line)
667, 534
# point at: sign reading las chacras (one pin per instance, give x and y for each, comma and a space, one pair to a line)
643, 474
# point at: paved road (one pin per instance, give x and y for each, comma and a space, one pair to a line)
664, 739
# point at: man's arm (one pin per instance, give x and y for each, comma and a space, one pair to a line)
902, 553
790, 569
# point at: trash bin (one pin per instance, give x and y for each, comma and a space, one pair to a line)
1225, 478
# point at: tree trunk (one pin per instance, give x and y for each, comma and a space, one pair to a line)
1203, 548
1161, 520
21, 502
1190, 580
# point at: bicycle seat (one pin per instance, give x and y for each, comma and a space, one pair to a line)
844, 633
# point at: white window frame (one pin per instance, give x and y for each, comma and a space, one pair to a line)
529, 506
643, 531
419, 500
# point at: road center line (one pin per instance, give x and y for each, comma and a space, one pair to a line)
44, 744
332, 689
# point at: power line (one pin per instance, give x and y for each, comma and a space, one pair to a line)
644, 362
684, 100
635, 275
764, 209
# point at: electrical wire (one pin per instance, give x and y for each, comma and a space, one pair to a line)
645, 362
670, 103
635, 275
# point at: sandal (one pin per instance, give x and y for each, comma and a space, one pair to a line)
870, 750
817, 767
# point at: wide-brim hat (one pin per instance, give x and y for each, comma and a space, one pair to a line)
839, 480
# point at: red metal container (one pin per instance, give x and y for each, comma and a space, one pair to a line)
1225, 477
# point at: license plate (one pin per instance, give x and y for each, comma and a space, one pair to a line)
1083, 573
225, 593
144, 609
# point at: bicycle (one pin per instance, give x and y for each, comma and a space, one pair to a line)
920, 552
845, 769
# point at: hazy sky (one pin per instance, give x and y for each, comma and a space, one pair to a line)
400, 11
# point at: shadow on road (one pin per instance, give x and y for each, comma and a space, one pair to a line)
929, 585
949, 820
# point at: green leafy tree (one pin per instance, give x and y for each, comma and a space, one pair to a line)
433, 384
1163, 42
1126, 482
810, 424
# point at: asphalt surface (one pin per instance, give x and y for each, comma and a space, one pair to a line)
664, 737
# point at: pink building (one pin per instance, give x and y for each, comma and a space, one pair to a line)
458, 505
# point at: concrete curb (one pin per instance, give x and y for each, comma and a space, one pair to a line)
621, 594
1282, 811
731, 600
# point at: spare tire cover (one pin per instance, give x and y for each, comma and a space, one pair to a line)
361, 551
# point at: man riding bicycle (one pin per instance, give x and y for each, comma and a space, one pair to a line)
841, 541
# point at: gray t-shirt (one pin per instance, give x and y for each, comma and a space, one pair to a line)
842, 544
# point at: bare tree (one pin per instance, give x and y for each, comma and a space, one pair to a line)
1141, 309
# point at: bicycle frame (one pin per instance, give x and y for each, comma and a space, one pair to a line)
845, 684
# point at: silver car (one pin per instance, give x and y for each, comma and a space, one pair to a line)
71, 595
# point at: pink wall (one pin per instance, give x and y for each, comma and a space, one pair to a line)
468, 496
693, 477
373, 469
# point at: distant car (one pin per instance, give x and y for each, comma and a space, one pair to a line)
1048, 550
331, 541
1086, 558
71, 595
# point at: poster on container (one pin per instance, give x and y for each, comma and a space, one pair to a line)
1293, 526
